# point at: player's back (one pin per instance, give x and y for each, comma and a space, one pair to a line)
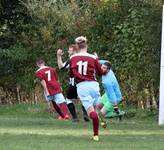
50, 76
83, 67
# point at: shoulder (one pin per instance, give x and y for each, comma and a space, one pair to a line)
42, 68
111, 71
83, 55
111, 75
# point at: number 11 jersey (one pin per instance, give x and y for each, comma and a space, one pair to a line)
84, 66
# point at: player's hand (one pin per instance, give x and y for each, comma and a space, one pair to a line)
46, 93
95, 54
60, 52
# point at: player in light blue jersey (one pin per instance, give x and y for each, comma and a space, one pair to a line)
112, 96
110, 84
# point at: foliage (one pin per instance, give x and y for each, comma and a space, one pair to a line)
126, 32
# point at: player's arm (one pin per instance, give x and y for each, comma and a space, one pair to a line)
98, 65
59, 58
43, 83
99, 71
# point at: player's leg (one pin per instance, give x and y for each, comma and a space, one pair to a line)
112, 97
60, 100
84, 91
95, 122
104, 106
112, 106
98, 103
55, 106
72, 110
85, 114
49, 106
101, 114
116, 109
72, 94
118, 97
99, 106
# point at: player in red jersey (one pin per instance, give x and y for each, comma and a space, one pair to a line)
52, 89
72, 90
83, 67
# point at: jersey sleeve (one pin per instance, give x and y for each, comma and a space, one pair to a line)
65, 65
39, 75
99, 71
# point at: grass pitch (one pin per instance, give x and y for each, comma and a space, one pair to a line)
29, 127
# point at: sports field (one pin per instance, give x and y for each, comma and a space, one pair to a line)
29, 127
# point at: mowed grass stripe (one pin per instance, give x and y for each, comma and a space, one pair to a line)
62, 131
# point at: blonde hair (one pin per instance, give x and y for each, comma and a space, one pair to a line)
81, 42
81, 39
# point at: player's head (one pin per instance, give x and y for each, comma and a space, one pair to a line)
40, 62
81, 42
72, 49
106, 67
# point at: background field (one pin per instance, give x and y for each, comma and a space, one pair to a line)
30, 127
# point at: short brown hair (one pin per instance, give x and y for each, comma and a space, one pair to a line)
108, 64
74, 47
40, 61
82, 45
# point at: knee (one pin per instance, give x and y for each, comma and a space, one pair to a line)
93, 115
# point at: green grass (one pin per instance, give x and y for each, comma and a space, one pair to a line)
29, 127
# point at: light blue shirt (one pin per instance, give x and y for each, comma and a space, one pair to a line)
111, 87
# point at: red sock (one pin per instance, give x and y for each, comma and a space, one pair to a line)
64, 108
95, 120
57, 108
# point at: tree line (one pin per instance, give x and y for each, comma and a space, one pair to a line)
125, 32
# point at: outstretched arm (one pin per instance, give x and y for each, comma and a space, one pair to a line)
59, 58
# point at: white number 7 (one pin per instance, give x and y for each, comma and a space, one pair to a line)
49, 74
82, 67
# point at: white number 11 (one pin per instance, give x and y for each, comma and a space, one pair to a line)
82, 67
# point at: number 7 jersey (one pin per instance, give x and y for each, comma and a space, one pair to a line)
84, 66
50, 76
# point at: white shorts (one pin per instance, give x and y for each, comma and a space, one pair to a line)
89, 93
58, 98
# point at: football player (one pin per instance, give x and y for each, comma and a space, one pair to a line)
52, 89
83, 67
72, 90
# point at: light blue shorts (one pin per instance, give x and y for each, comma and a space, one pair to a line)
89, 93
58, 98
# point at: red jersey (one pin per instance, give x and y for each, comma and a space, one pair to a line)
50, 76
84, 66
